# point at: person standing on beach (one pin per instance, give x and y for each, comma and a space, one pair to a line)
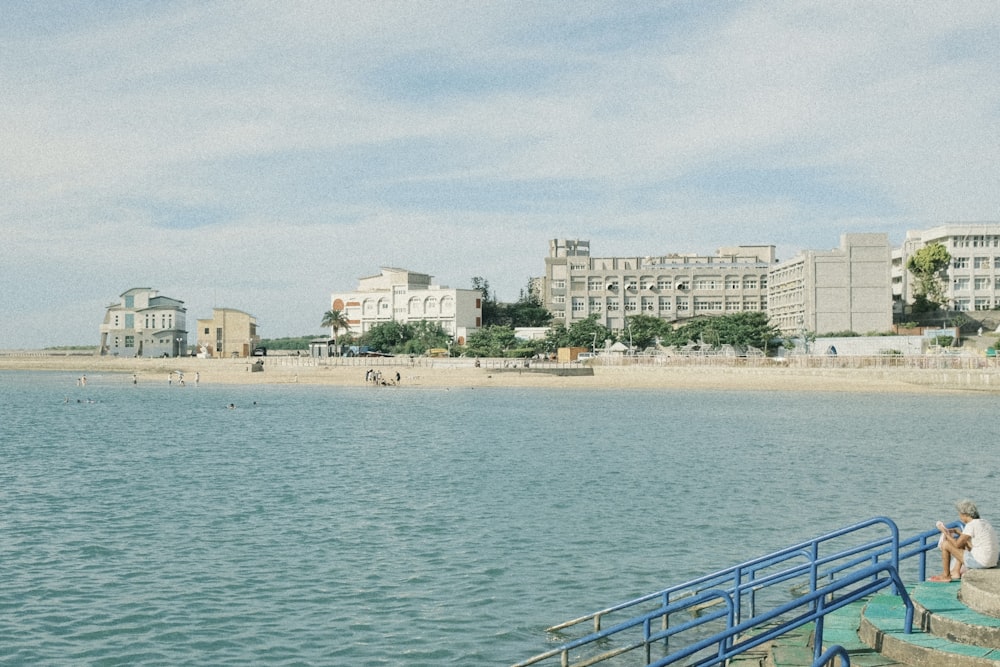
976, 546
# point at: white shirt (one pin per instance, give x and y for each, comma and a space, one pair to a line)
984, 545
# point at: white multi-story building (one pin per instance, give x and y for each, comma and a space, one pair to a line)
671, 287
972, 278
405, 296
144, 324
845, 289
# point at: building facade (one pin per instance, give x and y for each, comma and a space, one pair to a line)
228, 333
671, 287
845, 289
144, 324
406, 296
972, 278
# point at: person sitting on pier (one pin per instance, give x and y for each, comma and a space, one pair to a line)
975, 546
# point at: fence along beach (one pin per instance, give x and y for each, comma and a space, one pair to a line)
889, 374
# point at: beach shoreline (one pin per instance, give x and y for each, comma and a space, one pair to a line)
736, 375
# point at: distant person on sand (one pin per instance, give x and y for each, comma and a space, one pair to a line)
976, 546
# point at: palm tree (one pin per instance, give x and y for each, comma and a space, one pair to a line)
336, 320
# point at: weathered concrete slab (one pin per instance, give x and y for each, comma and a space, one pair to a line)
980, 590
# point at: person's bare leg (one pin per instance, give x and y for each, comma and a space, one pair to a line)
949, 552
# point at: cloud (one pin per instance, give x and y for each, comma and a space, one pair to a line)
261, 155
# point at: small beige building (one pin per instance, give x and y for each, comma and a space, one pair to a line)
228, 333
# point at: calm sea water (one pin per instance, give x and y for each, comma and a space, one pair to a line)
396, 526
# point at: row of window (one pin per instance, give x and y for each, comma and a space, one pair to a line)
130, 341
980, 241
414, 306
599, 284
977, 262
979, 303
662, 304
149, 321
979, 283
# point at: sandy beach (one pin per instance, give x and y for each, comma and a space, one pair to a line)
448, 373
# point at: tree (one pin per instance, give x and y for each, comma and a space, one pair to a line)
409, 338
584, 333
926, 265
336, 320
749, 328
644, 330
490, 308
386, 337
527, 311
491, 341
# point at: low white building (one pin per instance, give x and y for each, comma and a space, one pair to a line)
406, 296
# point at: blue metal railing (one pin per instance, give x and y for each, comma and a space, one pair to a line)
838, 651
840, 578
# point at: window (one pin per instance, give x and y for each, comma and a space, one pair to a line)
963, 304
983, 303
664, 283
733, 283
579, 305
959, 262
666, 303
980, 262
631, 304
982, 283
749, 283
207, 331
683, 304
130, 302
612, 304
595, 284
595, 305
702, 305
960, 284
559, 299
129, 341
559, 284
733, 305
648, 304
996, 262
706, 284
130, 321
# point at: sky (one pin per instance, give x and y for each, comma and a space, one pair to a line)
261, 155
